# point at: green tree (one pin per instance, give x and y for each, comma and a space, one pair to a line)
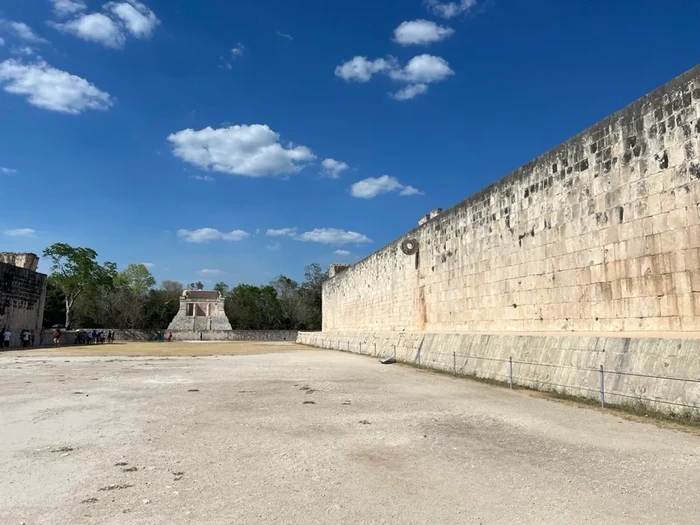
312, 296
172, 287
55, 305
288, 295
75, 271
221, 287
253, 308
137, 278
195, 286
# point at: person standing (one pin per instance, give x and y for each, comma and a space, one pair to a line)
25, 339
57, 338
32, 336
6, 336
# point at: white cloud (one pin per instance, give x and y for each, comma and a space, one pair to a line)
252, 151
410, 92
2, 41
284, 35
372, 187
238, 51
274, 246
68, 7
283, 232
342, 253
407, 191
423, 69
27, 51
7, 171
333, 236
136, 18
95, 27
205, 178
204, 235
23, 31
49, 88
20, 232
420, 71
149, 265
333, 168
209, 271
450, 9
321, 235
421, 32
110, 27
359, 69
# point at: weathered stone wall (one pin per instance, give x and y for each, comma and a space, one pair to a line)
237, 335
22, 295
662, 373
28, 261
600, 233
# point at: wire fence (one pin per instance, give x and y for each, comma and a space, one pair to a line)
440, 361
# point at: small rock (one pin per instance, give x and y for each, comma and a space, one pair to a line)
146, 501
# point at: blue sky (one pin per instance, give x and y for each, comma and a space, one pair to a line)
252, 138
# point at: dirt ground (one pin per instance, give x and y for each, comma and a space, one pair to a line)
317, 437
153, 349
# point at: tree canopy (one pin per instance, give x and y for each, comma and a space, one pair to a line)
84, 293
75, 271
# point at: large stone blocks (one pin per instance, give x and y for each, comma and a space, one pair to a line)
599, 234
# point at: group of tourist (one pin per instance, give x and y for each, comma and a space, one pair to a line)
160, 337
26, 337
93, 337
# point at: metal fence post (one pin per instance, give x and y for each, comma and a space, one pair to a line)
510, 374
454, 363
602, 387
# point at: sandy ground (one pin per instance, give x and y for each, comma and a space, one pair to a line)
316, 437
153, 349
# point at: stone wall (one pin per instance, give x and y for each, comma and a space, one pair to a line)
237, 335
647, 370
28, 261
600, 234
22, 295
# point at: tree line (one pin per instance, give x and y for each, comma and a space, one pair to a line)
81, 292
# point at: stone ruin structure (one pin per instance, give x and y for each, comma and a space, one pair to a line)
200, 311
547, 274
22, 293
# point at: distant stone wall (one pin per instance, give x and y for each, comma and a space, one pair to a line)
237, 335
601, 233
68, 337
207, 335
22, 296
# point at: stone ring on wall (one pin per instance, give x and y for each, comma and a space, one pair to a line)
409, 246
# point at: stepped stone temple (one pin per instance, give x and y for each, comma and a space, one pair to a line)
200, 311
